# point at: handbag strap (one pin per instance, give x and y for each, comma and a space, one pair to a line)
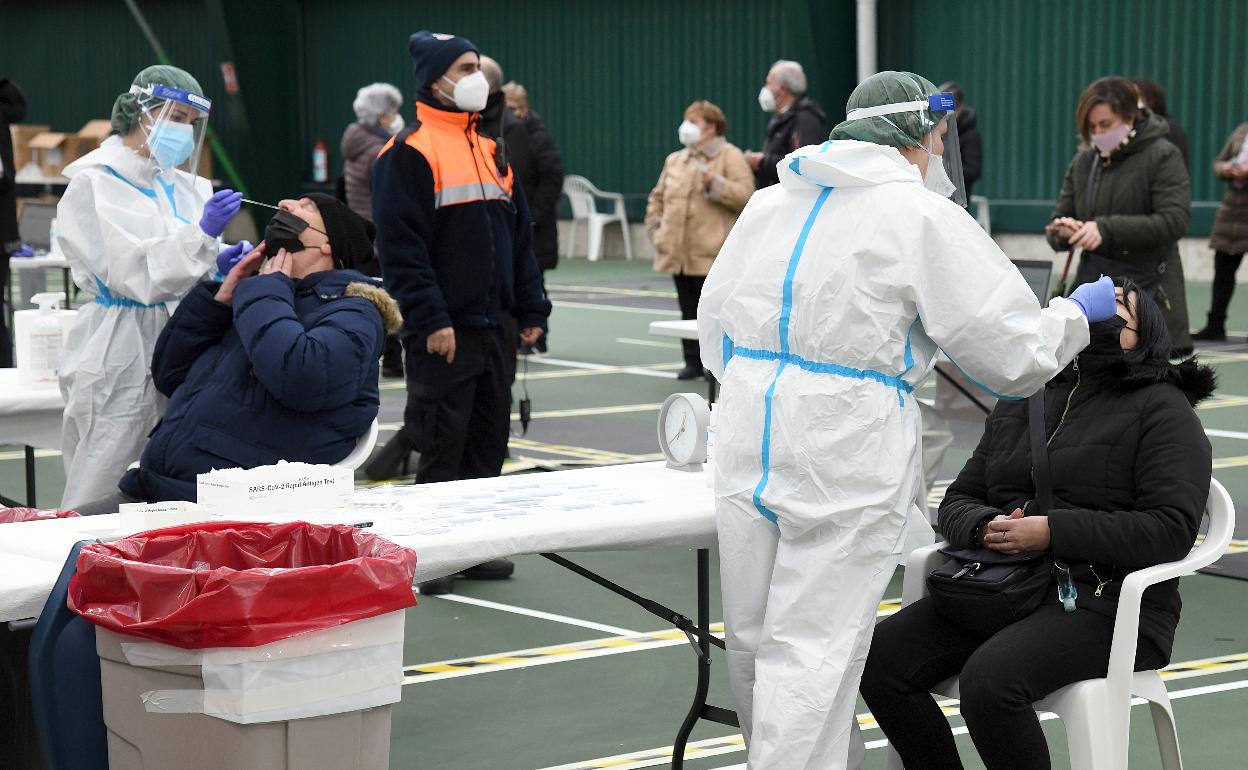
1039, 454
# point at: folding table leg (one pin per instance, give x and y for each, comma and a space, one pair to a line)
30, 476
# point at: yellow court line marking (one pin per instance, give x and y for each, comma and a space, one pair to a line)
1230, 462
1223, 402
592, 648
734, 743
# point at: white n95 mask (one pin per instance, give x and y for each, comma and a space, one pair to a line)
688, 133
767, 100
471, 91
936, 178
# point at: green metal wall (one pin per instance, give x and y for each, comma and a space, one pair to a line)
1024, 63
611, 80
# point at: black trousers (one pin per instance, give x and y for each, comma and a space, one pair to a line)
1224, 267
688, 290
1000, 677
458, 414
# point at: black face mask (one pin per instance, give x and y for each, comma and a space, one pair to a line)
283, 232
1106, 339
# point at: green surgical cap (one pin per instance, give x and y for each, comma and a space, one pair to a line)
888, 87
126, 108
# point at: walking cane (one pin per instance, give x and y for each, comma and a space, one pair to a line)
1060, 289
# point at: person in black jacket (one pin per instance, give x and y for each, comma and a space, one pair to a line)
797, 123
12, 110
970, 143
541, 175
1152, 96
1130, 467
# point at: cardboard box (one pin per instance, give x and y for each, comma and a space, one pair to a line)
96, 131
22, 133
47, 152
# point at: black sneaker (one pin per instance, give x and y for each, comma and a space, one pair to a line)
691, 373
496, 569
437, 586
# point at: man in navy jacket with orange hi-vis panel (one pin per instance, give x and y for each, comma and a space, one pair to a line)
455, 242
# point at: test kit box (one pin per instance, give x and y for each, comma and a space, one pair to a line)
269, 489
52, 151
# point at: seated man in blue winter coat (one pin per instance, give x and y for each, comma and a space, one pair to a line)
280, 364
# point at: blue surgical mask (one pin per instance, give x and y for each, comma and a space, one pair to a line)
171, 143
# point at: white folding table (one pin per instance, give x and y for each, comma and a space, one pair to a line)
457, 524
685, 330
30, 416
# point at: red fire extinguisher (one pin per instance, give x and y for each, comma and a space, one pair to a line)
320, 162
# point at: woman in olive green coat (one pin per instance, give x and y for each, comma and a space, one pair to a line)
1126, 200
1229, 239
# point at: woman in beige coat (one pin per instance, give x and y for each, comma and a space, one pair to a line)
693, 206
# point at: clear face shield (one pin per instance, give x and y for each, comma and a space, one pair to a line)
932, 117
173, 122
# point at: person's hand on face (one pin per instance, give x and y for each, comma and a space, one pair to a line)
243, 268
282, 263
1016, 533
442, 343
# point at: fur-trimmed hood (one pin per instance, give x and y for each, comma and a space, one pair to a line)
391, 318
1196, 380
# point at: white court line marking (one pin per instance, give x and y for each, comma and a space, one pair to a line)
1216, 433
647, 343
621, 763
600, 367
613, 308
538, 614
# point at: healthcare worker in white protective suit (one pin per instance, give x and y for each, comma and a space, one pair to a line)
139, 229
822, 313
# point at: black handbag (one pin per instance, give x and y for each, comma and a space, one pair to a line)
984, 590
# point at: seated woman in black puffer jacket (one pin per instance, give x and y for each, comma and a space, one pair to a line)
1130, 468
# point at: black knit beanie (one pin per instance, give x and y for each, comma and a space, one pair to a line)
433, 53
350, 235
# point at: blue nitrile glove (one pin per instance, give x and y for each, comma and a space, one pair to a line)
1096, 299
219, 210
230, 256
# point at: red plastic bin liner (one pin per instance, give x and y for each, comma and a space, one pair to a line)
14, 515
240, 584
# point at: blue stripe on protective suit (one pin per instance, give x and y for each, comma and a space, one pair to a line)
149, 192
785, 311
108, 299
979, 384
818, 367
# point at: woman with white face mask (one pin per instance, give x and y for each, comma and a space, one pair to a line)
691, 209
378, 111
1126, 199
823, 312
140, 228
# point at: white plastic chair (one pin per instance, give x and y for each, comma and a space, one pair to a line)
582, 193
363, 448
1097, 712
981, 212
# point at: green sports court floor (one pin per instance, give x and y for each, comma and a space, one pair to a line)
540, 671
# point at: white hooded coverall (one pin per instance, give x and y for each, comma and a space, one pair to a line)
132, 239
824, 309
